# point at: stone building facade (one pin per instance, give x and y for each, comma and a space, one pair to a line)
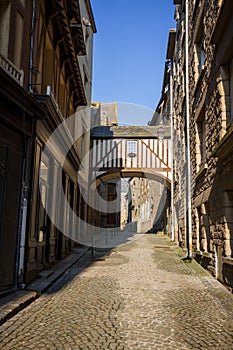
174, 85
104, 114
61, 82
210, 88
149, 205
17, 123
46, 75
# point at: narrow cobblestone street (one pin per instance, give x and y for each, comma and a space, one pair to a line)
141, 295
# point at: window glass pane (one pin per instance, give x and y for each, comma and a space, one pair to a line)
44, 172
231, 88
4, 27
132, 147
18, 39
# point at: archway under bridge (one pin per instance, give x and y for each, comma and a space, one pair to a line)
125, 173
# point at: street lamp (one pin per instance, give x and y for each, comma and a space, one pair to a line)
160, 133
132, 155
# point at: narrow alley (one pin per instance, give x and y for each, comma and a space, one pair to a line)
141, 295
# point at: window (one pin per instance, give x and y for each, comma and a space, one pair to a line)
111, 218
199, 42
61, 92
87, 35
5, 8
18, 39
225, 90
132, 148
231, 90
48, 65
43, 218
200, 55
111, 191
3, 165
200, 140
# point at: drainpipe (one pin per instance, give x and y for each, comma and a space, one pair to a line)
23, 217
188, 173
22, 237
172, 133
32, 46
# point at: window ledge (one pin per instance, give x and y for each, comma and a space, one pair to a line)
200, 79
201, 171
224, 145
227, 260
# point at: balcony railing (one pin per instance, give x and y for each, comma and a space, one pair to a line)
11, 69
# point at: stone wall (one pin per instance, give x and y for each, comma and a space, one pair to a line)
210, 135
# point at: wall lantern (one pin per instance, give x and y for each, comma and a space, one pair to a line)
132, 155
160, 133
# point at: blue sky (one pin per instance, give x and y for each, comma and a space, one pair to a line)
129, 52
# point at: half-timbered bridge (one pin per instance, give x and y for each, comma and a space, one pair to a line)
131, 151
124, 152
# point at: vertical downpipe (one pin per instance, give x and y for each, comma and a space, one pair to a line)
32, 45
23, 217
22, 237
188, 208
24, 192
172, 150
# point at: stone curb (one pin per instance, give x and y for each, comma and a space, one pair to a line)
11, 304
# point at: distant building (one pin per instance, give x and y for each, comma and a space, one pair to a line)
149, 206
156, 205
124, 215
105, 114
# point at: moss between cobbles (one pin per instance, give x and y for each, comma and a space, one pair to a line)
196, 267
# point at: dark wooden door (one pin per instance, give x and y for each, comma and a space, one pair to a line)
11, 160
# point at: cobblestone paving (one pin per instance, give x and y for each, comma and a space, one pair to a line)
140, 296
